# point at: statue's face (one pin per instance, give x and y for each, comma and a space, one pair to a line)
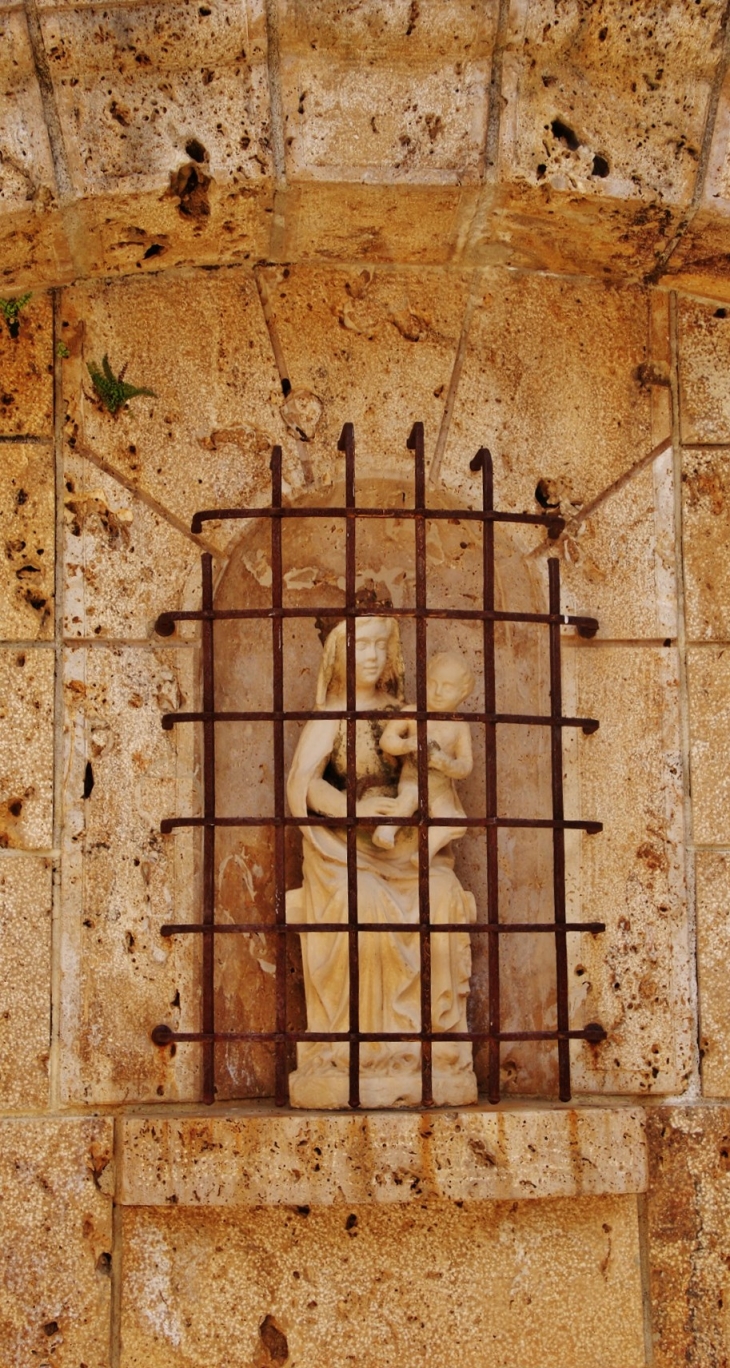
445, 687
371, 649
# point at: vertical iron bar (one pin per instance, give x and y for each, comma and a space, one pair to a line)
483, 461
277, 643
347, 444
415, 443
208, 1003
561, 946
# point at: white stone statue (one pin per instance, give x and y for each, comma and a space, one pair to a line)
387, 882
449, 682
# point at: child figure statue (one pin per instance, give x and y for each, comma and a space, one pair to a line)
449, 682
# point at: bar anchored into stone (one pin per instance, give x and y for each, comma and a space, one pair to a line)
373, 1056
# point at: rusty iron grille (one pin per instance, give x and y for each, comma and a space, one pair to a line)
490, 821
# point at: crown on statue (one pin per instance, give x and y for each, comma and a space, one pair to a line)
371, 596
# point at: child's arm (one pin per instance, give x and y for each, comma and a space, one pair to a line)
399, 737
461, 761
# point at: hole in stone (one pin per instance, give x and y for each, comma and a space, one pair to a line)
104, 1264
274, 1340
50, 1328
542, 495
720, 313
351, 1221
542, 168
600, 166
194, 148
155, 250
565, 134
88, 780
286, 387
16, 807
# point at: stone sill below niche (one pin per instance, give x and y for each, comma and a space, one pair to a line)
256, 1158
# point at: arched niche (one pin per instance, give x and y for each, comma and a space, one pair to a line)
313, 554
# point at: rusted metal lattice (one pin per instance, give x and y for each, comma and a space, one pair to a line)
490, 821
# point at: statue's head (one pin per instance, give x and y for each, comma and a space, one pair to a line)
378, 659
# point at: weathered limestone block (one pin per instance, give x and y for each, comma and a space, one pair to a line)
704, 355
25, 981
576, 417
252, 1159
122, 880
26, 748
635, 977
618, 563
26, 370
476, 1286
135, 107
708, 677
26, 169
564, 67
56, 1180
374, 222
712, 874
27, 536
125, 563
706, 500
205, 440
377, 348
689, 1212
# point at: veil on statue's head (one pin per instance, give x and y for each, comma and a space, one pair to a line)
333, 666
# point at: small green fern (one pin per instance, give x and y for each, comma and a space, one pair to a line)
10, 310
112, 389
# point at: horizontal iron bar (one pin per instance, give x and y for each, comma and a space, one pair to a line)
163, 1035
163, 626
553, 522
168, 824
407, 928
587, 724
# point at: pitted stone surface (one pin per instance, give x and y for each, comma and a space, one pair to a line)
25, 981
251, 1159
26, 748
26, 369
27, 536
478, 1286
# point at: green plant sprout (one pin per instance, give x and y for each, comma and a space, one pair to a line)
112, 389
10, 310
62, 351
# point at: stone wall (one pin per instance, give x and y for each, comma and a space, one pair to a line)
408, 212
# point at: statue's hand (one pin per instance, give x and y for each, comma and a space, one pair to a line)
375, 805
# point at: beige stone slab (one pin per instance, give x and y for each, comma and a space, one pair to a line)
705, 502
635, 978
26, 168
534, 227
712, 882
27, 533
55, 1181
618, 564
26, 372
575, 416
369, 120
376, 223
26, 748
124, 563
688, 1216
255, 1160
205, 440
395, 32
34, 249
118, 234
122, 880
708, 677
704, 353
377, 348
131, 99
700, 264
653, 68
25, 981
475, 1286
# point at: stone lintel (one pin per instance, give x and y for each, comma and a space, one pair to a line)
505, 1154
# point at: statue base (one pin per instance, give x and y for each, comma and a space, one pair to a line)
330, 1092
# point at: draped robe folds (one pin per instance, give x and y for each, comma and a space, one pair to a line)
389, 962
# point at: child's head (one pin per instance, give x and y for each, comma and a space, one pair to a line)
448, 681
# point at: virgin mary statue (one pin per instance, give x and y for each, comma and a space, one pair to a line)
387, 888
